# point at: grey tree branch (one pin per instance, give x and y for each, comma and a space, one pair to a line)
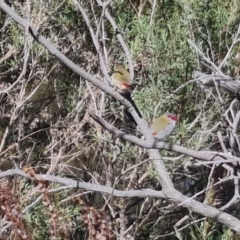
176, 196
192, 44
120, 39
61, 57
87, 186
224, 82
94, 39
168, 191
201, 155
164, 176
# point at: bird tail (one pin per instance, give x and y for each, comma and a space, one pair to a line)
135, 107
129, 115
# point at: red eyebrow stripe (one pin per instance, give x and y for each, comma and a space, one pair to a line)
125, 85
175, 118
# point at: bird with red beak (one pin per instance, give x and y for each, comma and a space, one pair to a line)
121, 81
163, 126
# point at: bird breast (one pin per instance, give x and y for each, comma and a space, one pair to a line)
163, 134
120, 84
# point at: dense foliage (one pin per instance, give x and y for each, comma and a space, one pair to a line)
45, 125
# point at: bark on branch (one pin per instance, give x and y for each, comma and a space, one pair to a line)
168, 191
174, 195
224, 82
200, 155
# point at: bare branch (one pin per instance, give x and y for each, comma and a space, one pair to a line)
94, 39
102, 86
168, 191
121, 40
191, 43
87, 186
235, 41
191, 204
224, 82
201, 155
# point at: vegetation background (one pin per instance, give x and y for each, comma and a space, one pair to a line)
45, 125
